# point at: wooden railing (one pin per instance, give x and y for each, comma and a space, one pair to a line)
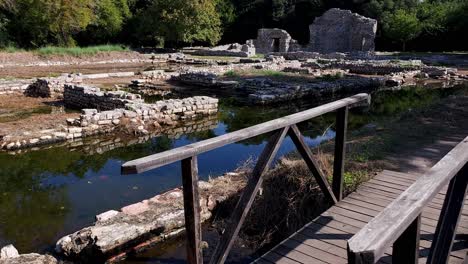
399, 223
280, 127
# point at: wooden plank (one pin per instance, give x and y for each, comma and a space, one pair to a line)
406, 247
248, 195
387, 226
195, 149
449, 218
296, 255
192, 210
306, 154
313, 252
340, 151
274, 257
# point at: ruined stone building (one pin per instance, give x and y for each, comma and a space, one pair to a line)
336, 30
340, 30
274, 40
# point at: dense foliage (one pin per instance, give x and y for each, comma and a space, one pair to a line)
412, 24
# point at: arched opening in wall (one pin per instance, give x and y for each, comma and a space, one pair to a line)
276, 44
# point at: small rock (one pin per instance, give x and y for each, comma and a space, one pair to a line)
8, 251
106, 215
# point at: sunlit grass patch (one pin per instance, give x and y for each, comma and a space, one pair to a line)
79, 51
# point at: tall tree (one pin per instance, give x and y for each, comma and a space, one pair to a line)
180, 21
402, 26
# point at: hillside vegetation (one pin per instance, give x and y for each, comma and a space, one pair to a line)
430, 25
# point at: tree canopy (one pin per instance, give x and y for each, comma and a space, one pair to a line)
419, 25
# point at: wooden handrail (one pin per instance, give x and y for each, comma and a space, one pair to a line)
399, 222
177, 154
281, 127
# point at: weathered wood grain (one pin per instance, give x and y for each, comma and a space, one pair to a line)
192, 210
406, 247
306, 154
170, 156
328, 234
449, 218
248, 195
340, 150
382, 231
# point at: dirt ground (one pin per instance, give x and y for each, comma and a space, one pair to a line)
82, 64
31, 57
51, 71
19, 113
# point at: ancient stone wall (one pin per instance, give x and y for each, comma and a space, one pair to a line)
274, 40
232, 50
340, 30
124, 111
81, 97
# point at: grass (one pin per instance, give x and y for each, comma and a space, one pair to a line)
79, 51
231, 73
331, 77
11, 49
258, 56
72, 51
218, 58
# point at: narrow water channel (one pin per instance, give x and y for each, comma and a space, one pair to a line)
48, 193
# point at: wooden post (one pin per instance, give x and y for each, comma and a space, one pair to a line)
247, 197
406, 247
306, 154
340, 150
192, 210
449, 218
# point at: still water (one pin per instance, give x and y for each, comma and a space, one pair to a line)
48, 193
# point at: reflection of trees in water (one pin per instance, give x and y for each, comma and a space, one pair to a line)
32, 213
384, 104
32, 218
238, 117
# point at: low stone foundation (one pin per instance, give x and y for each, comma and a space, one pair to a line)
205, 79
124, 111
229, 50
106, 143
82, 97
116, 233
267, 91
377, 67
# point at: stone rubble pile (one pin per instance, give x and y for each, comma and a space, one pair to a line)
14, 86
10, 255
146, 223
229, 50
43, 88
371, 67
205, 79
267, 91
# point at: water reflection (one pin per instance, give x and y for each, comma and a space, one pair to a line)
48, 193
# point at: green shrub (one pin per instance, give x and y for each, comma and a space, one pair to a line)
231, 73
79, 51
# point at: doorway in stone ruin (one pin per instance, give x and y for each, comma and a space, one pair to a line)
276, 44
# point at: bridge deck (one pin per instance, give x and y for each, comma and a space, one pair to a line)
324, 240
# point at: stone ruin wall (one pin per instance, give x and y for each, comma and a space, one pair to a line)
119, 104
123, 111
99, 145
340, 30
265, 41
230, 50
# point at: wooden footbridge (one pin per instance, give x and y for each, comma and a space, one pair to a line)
393, 218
